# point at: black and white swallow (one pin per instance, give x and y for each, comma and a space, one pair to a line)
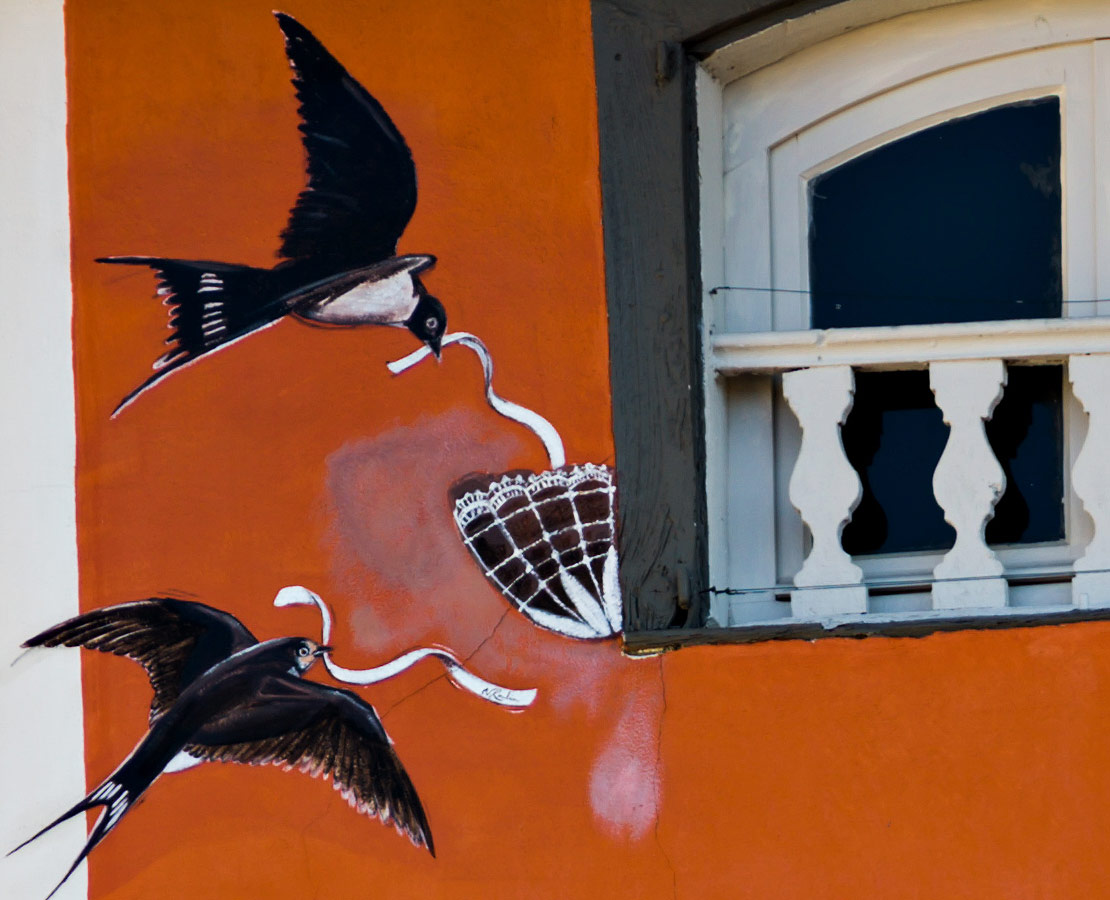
338, 249
221, 695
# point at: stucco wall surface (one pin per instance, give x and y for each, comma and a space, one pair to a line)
960, 765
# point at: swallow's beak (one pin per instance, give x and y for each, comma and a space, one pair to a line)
436, 346
320, 651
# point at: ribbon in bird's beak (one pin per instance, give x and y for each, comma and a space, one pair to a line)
299, 596
530, 419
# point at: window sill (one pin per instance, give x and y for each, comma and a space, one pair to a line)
905, 625
910, 346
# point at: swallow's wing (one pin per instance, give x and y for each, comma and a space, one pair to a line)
176, 641
322, 731
361, 178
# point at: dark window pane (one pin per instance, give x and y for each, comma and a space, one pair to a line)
956, 223
960, 222
1026, 432
893, 437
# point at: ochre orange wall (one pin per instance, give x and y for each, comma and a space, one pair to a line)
963, 765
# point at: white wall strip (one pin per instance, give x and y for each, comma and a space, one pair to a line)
41, 749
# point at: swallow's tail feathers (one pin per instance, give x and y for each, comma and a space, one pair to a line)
116, 800
211, 304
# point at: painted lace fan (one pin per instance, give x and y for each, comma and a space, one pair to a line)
547, 540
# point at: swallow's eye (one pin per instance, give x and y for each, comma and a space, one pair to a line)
303, 650
431, 323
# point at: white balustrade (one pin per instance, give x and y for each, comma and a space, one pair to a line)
1090, 380
968, 482
967, 373
825, 489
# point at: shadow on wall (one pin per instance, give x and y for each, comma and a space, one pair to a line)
395, 544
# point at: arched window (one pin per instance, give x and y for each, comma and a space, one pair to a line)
900, 228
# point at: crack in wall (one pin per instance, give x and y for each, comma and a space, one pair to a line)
659, 779
303, 836
443, 675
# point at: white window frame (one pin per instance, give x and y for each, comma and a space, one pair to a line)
763, 137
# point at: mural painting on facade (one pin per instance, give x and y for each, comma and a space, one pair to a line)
220, 694
582, 680
456, 672
543, 538
546, 540
339, 267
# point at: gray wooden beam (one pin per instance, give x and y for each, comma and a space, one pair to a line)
651, 643
644, 52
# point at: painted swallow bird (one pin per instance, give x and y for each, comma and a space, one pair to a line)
338, 249
221, 695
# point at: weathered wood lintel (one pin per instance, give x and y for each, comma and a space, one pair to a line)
646, 643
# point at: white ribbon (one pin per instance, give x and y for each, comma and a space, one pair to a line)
539, 426
296, 595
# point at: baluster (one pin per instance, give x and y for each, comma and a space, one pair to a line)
1090, 379
968, 482
825, 489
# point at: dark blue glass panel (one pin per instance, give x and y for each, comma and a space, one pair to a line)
1026, 432
956, 223
960, 222
893, 437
